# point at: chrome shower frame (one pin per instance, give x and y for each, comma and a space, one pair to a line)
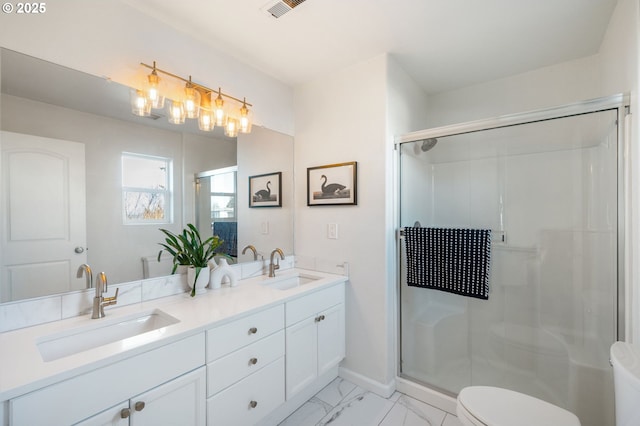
619, 102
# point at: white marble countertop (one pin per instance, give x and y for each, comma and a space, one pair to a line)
23, 370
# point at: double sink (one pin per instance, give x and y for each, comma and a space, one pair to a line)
137, 328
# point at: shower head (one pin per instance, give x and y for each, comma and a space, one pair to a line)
427, 144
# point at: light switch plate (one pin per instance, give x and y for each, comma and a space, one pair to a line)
332, 231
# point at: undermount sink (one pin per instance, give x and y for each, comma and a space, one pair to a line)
132, 330
289, 281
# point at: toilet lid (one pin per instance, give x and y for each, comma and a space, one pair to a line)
503, 407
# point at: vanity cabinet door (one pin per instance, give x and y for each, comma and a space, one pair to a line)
181, 401
315, 337
301, 355
331, 338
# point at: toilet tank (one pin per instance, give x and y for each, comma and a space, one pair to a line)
625, 359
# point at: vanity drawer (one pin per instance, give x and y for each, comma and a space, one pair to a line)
303, 307
237, 365
229, 337
249, 400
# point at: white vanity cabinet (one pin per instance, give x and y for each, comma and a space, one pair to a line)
315, 336
152, 388
245, 368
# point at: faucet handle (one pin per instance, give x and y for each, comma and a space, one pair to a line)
108, 301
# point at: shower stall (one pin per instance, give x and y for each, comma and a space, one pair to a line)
548, 184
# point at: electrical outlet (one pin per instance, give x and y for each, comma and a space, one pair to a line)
332, 231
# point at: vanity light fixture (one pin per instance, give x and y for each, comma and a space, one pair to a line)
195, 101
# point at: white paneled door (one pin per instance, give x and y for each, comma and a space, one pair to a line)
43, 208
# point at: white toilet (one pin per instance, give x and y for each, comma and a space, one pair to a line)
491, 406
625, 359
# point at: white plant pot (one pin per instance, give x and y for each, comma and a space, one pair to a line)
203, 279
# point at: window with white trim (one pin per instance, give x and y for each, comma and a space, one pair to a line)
146, 189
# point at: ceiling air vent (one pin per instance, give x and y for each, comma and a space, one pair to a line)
281, 7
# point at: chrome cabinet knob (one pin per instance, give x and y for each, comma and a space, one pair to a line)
253, 330
253, 361
139, 406
125, 413
253, 404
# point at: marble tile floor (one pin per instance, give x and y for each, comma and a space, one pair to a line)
342, 403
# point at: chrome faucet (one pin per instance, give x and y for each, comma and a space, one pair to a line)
86, 270
274, 266
99, 302
253, 249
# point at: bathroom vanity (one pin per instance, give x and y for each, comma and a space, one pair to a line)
230, 356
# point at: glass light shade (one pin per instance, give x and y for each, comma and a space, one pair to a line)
219, 110
231, 127
245, 119
176, 112
140, 105
191, 101
154, 91
206, 121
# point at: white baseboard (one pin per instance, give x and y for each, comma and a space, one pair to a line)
422, 393
384, 390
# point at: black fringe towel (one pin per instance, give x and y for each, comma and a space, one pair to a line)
452, 260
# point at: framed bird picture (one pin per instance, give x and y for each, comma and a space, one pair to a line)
334, 184
265, 190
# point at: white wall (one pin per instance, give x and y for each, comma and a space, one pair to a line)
555, 85
351, 115
260, 152
341, 118
111, 38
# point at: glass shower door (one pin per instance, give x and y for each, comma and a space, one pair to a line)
548, 192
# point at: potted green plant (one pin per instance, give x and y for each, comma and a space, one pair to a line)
187, 248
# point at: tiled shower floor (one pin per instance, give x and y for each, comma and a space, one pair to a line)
342, 403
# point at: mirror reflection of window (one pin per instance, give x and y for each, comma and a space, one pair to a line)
223, 196
146, 189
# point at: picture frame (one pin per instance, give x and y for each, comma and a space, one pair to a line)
265, 190
333, 184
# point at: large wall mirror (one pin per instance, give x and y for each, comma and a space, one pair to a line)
71, 190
